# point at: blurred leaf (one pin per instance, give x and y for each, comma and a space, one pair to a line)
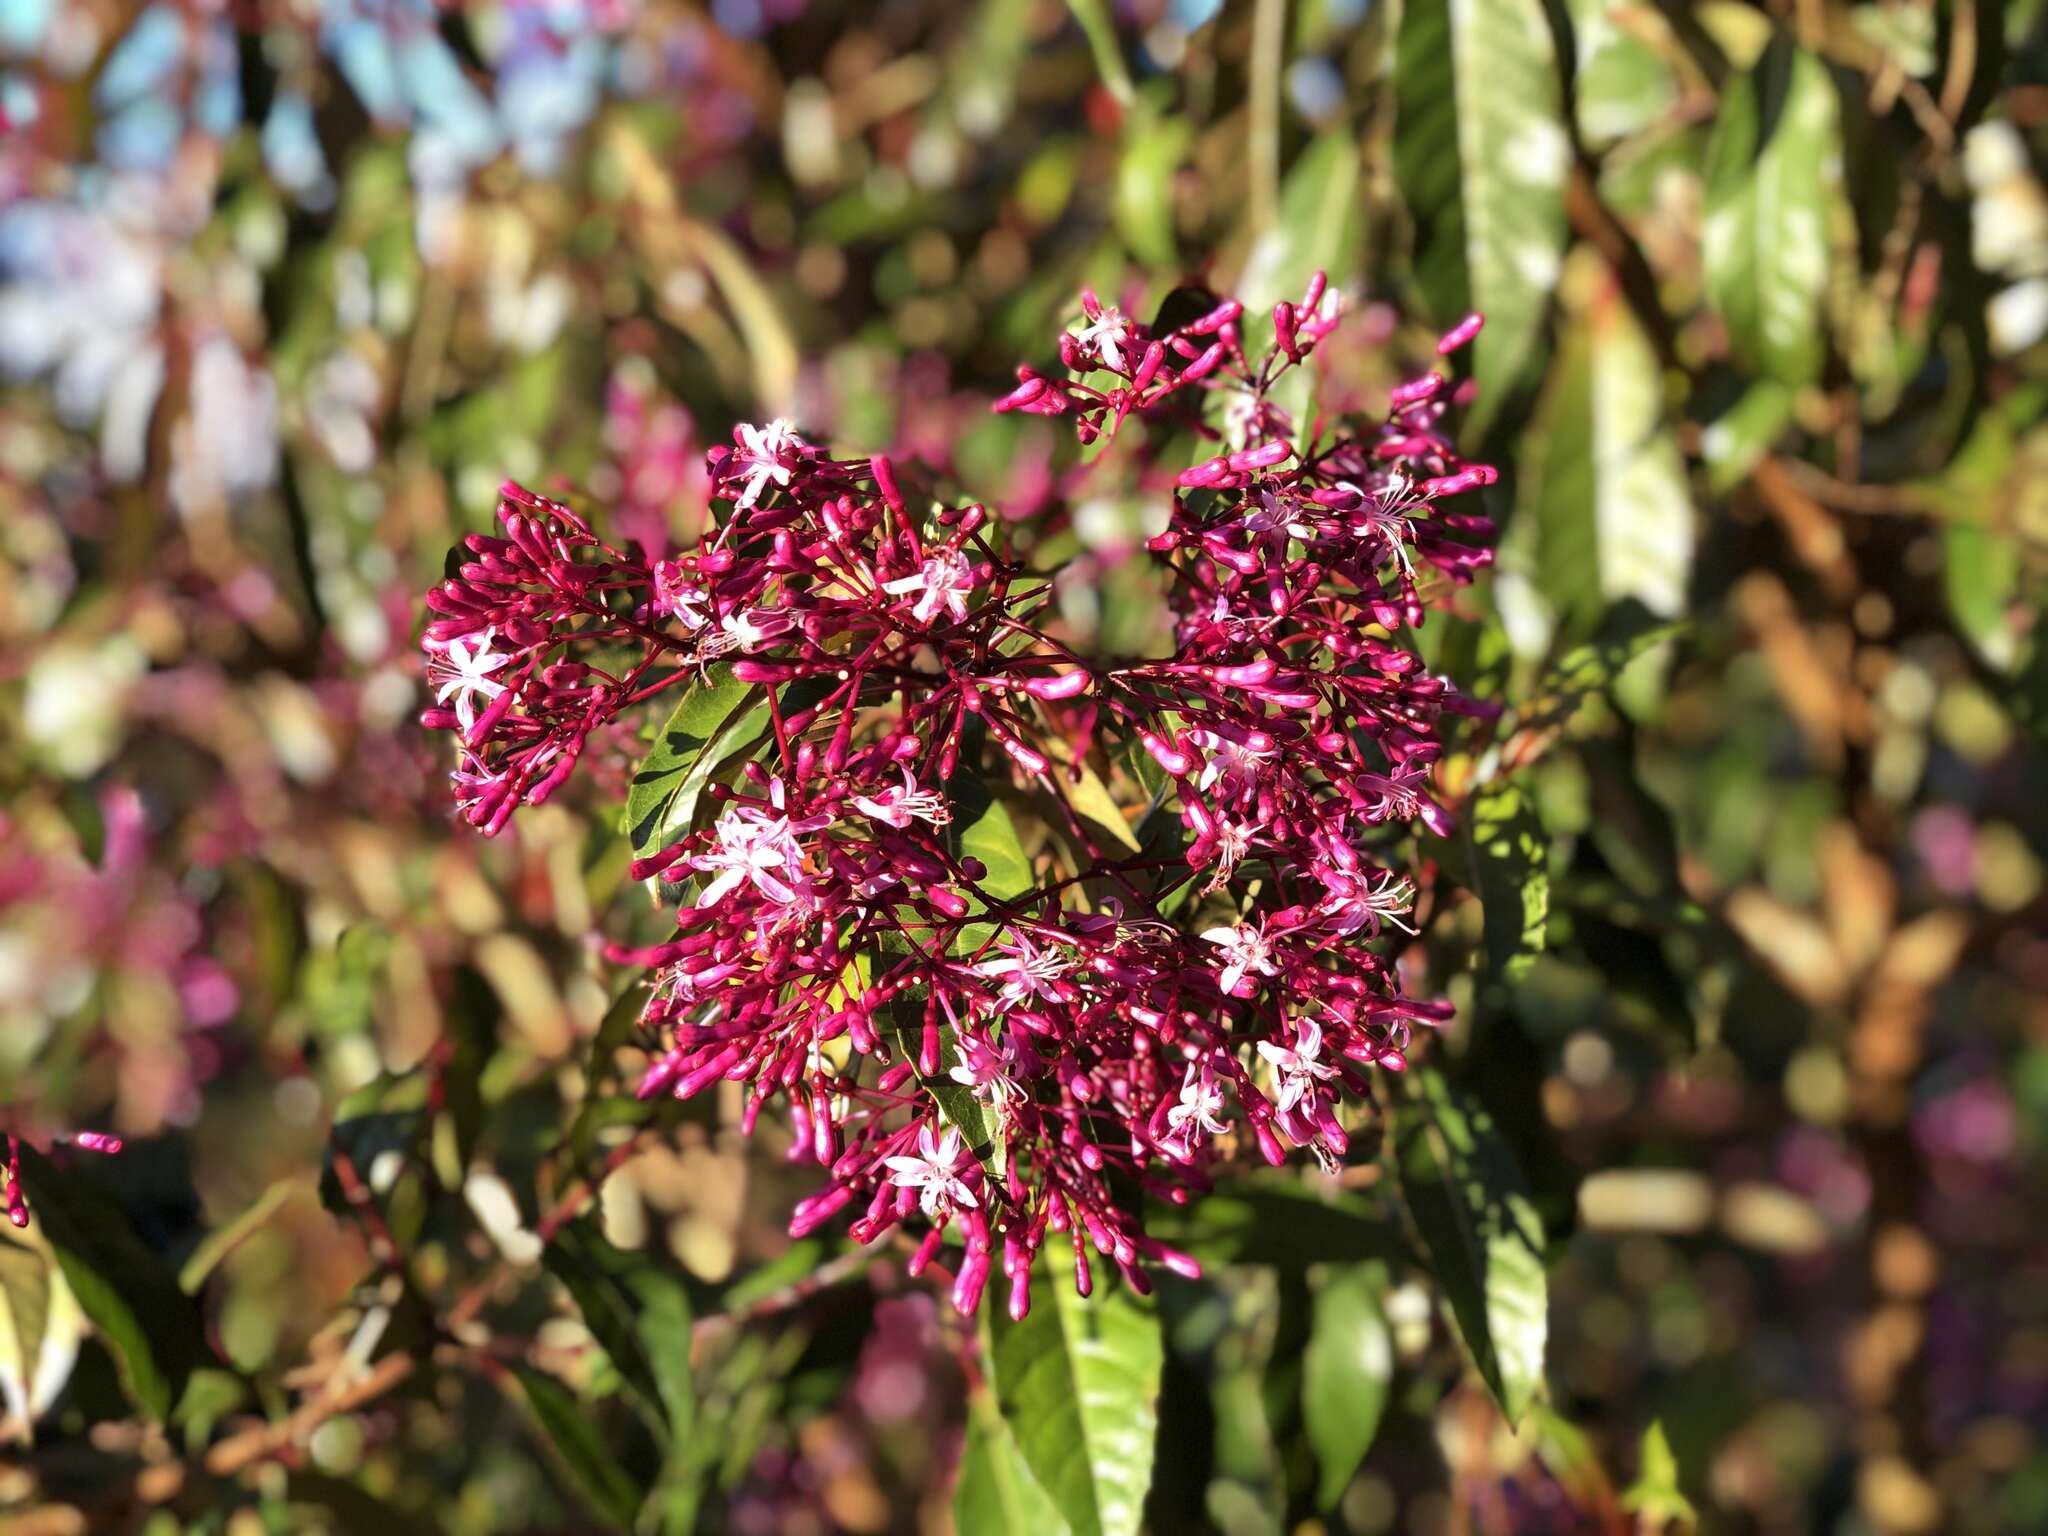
223, 1240
1319, 227
996, 1492
356, 1511
1078, 1384
1655, 1497
1981, 576
579, 1449
675, 770
1346, 1374
1736, 440
1100, 28
639, 1313
1602, 475
1511, 863
1274, 1220
25, 1286
1153, 150
1481, 153
1621, 84
1473, 1213
1776, 147
151, 1327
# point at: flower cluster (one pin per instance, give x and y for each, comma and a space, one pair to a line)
1017, 938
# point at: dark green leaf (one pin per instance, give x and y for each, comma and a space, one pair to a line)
151, 1327
1078, 1384
569, 1431
1481, 153
1346, 1374
1477, 1223
1775, 150
672, 775
1277, 1222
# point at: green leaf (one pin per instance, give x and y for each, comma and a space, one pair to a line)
1078, 1384
580, 1450
1603, 481
640, 1315
1153, 150
1100, 28
150, 1326
1981, 577
1474, 1216
996, 1492
1776, 148
987, 833
223, 1240
1511, 863
1655, 1495
1346, 1374
672, 776
1273, 1220
1481, 154
1319, 227
1621, 84
1734, 442
25, 1302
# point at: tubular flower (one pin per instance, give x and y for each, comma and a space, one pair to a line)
911, 914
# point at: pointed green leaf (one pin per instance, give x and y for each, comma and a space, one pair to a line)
570, 1433
151, 1327
1655, 1495
1474, 1216
1603, 485
25, 1284
996, 1492
1346, 1374
672, 775
1775, 150
1481, 153
1078, 1384
1100, 29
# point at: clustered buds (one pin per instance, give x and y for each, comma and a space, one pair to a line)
988, 1036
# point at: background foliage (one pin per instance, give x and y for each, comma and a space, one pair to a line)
1751, 1042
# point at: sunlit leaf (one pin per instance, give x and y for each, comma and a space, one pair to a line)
1346, 1374
1511, 862
1154, 147
1776, 148
996, 1491
1481, 153
1474, 1216
1655, 1497
672, 775
1078, 1384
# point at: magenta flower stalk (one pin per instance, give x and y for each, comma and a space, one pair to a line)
1009, 1055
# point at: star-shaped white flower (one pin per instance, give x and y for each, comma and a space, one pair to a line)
1357, 899
765, 456
943, 582
1108, 333
1227, 758
745, 631
1200, 1107
464, 670
932, 1172
899, 807
759, 846
1300, 1066
1028, 970
987, 1067
1246, 951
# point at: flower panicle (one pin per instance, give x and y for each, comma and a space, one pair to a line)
963, 1033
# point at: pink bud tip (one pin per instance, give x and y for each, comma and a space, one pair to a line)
1460, 333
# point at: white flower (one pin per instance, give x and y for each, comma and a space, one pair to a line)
943, 582
1225, 758
931, 1173
1030, 971
1299, 1067
1385, 515
759, 846
1359, 900
1233, 842
765, 454
1200, 1107
464, 671
1108, 333
986, 1067
1246, 950
900, 807
745, 631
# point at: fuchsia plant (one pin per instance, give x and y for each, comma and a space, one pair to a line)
994, 1041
